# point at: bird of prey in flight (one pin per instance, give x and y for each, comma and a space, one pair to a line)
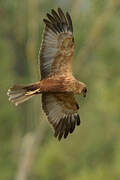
58, 86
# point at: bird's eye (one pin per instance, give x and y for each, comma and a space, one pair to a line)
85, 90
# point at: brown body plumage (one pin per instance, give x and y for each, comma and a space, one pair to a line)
57, 85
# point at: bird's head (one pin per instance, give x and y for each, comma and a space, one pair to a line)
84, 91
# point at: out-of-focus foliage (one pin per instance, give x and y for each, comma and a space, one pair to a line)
93, 150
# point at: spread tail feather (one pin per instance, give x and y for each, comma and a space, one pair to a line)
18, 93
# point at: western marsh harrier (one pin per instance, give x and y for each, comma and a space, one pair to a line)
57, 85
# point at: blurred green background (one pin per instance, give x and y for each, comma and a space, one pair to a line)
28, 150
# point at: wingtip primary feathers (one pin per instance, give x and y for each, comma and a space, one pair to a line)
66, 125
69, 21
58, 21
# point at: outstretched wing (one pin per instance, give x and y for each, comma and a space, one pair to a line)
57, 45
61, 110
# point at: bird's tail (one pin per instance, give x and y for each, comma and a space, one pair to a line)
19, 93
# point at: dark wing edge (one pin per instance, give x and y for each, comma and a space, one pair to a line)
58, 22
66, 125
62, 122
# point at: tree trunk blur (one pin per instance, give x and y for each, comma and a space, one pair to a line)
36, 122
